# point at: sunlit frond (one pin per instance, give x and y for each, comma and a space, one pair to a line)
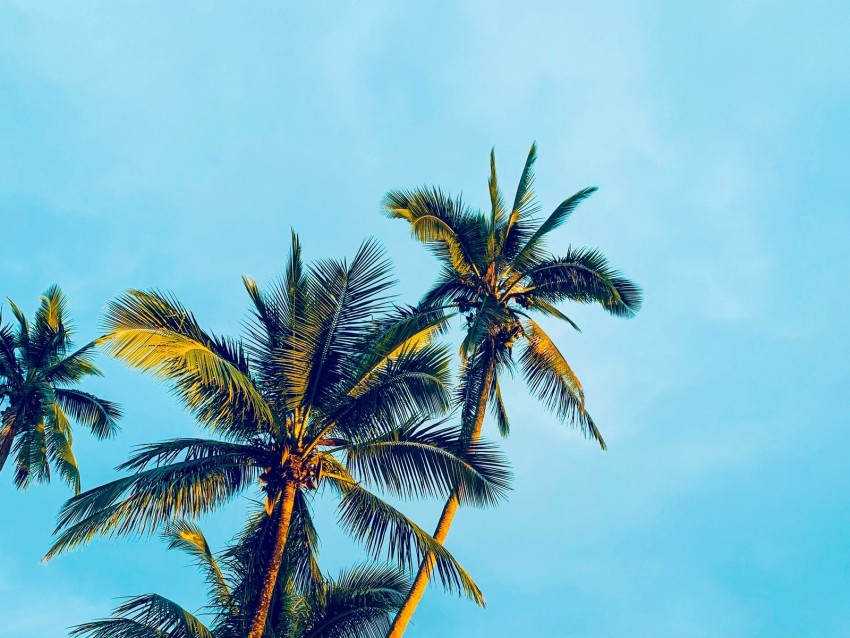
153, 332
451, 231
187, 537
58, 438
551, 378
146, 501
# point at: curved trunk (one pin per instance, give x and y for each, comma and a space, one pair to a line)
443, 526
272, 568
7, 434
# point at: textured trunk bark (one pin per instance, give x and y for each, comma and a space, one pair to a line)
287, 501
443, 526
7, 434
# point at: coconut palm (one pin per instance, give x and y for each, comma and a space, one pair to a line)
327, 391
357, 604
39, 370
497, 272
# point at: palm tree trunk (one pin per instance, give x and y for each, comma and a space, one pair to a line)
272, 568
444, 525
7, 434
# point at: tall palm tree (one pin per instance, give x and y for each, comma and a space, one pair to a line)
497, 272
357, 604
328, 391
38, 371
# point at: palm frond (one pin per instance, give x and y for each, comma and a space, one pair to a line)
30, 449
497, 406
531, 252
153, 332
144, 502
378, 525
520, 223
419, 460
357, 604
472, 386
98, 414
551, 378
448, 289
58, 438
401, 331
414, 383
146, 616
187, 537
450, 230
75, 366
344, 300
7, 435
584, 275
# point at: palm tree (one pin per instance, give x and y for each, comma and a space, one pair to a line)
38, 371
496, 271
328, 391
356, 604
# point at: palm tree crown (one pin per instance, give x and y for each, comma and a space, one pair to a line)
329, 390
38, 401
354, 605
497, 272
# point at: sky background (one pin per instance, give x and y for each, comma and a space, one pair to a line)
173, 145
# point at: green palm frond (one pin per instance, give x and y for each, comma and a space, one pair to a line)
414, 383
99, 415
187, 537
383, 529
344, 298
146, 616
356, 604
153, 332
144, 502
7, 436
30, 449
419, 460
8, 361
163, 453
450, 230
498, 212
551, 378
449, 289
545, 308
519, 226
497, 406
402, 331
532, 252
74, 367
584, 275
472, 385
59, 438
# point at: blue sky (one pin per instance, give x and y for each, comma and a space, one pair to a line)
174, 145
